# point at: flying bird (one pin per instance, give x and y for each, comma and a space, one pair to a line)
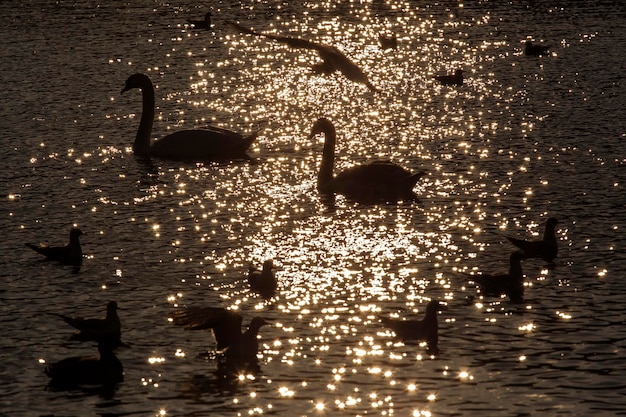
332, 58
426, 329
546, 248
70, 254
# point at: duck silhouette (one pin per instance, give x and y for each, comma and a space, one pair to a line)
532, 49
510, 284
546, 248
107, 370
202, 24
426, 329
190, 145
240, 348
332, 58
451, 79
263, 281
70, 254
108, 328
372, 182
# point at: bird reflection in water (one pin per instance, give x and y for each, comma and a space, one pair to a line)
237, 351
332, 58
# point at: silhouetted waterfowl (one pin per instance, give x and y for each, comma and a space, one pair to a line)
451, 79
426, 330
202, 24
70, 254
388, 42
546, 248
108, 328
264, 281
376, 181
106, 370
532, 49
510, 284
193, 145
332, 58
240, 348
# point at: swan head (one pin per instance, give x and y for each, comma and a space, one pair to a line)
75, 232
321, 125
136, 81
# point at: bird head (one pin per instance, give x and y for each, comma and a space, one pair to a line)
321, 125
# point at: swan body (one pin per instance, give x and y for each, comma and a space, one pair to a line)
107, 370
372, 182
70, 254
510, 284
546, 248
426, 329
332, 58
532, 49
108, 329
191, 145
451, 79
241, 348
264, 282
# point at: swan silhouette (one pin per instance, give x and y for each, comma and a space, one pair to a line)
451, 79
70, 254
426, 329
202, 24
546, 248
193, 145
332, 58
378, 181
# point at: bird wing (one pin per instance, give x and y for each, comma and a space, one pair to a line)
293, 42
225, 324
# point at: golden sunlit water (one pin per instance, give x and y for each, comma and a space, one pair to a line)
523, 139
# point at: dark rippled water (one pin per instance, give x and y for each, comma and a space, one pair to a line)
522, 140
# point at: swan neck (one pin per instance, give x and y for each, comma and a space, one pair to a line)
325, 175
142, 141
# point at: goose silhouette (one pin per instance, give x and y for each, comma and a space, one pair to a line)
426, 329
451, 79
108, 328
202, 24
372, 182
107, 370
70, 254
240, 349
190, 145
332, 58
532, 49
263, 281
510, 284
546, 248
388, 42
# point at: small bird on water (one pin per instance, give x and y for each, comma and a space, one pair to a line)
546, 248
106, 329
70, 254
532, 49
451, 79
264, 282
426, 329
510, 284
202, 24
